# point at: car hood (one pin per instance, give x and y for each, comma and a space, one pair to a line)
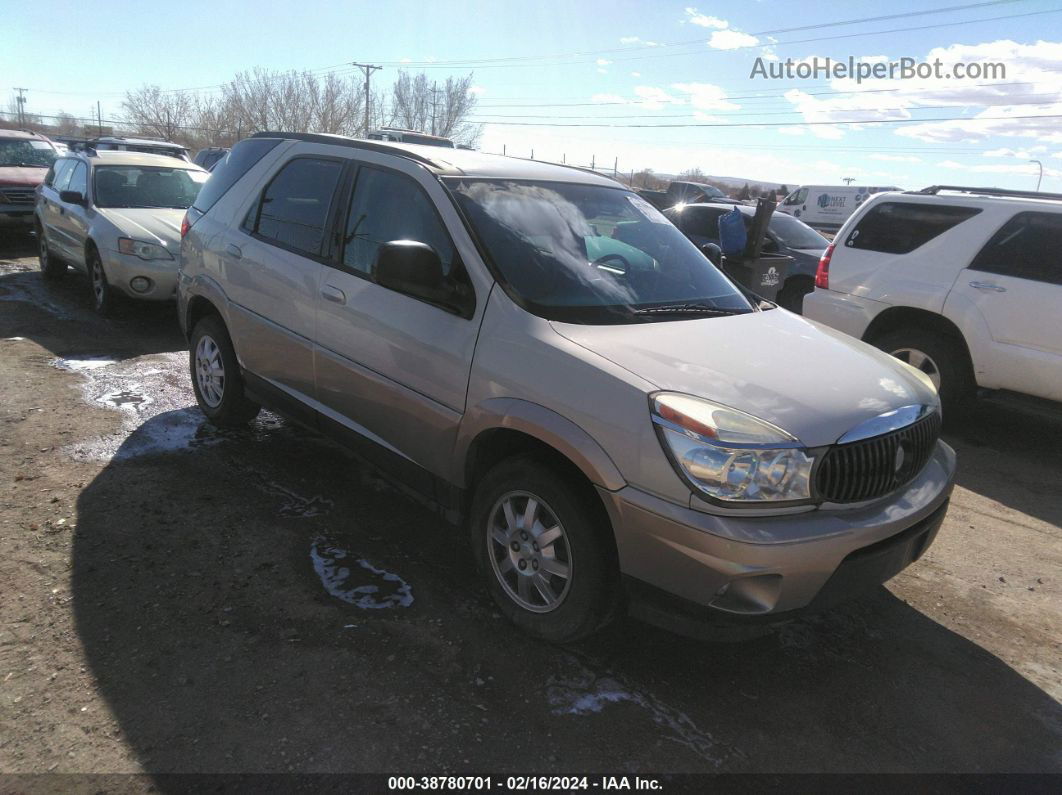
21, 176
160, 225
806, 378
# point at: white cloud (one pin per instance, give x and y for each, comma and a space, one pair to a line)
1022, 154
655, 98
896, 158
603, 61
629, 39
731, 40
706, 96
708, 118
1019, 169
636, 74
831, 132
695, 17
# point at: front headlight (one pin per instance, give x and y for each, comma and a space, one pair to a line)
142, 249
729, 455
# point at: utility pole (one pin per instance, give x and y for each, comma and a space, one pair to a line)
368, 69
615, 168
20, 100
99, 118
848, 180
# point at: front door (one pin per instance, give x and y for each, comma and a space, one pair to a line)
392, 368
1015, 283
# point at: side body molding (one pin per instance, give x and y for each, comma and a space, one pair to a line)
543, 424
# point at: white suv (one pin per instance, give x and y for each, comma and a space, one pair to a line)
963, 283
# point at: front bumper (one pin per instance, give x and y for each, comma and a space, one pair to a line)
121, 269
678, 557
16, 215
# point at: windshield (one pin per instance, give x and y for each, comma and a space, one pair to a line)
147, 186
589, 254
795, 233
24, 152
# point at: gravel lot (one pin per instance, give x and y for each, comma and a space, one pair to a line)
173, 598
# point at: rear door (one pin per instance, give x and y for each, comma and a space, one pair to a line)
52, 209
1015, 284
391, 368
73, 220
273, 262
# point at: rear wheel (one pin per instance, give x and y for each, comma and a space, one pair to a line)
545, 551
52, 268
938, 356
216, 377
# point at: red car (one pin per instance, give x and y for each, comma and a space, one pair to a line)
25, 158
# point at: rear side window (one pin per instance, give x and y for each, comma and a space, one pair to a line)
226, 173
702, 221
294, 207
900, 227
63, 170
79, 179
1026, 247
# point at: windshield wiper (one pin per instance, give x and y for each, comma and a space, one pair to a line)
694, 308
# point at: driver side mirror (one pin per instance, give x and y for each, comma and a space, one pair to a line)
713, 253
72, 197
410, 267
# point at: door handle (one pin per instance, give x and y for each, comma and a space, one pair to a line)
333, 294
233, 251
988, 286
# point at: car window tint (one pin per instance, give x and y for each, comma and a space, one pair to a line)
234, 165
79, 179
901, 227
388, 206
294, 208
1026, 247
63, 170
704, 221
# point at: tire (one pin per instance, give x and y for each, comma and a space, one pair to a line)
105, 299
578, 567
220, 395
52, 268
791, 296
940, 357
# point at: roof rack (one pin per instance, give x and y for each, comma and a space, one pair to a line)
342, 140
933, 190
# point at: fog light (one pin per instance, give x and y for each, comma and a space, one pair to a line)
140, 284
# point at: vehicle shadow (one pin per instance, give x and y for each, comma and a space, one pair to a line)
1012, 456
261, 602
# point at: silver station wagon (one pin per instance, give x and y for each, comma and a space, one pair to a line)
545, 359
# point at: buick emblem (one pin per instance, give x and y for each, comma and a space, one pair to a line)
897, 464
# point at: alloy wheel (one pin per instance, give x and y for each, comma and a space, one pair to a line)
920, 361
99, 284
529, 552
209, 371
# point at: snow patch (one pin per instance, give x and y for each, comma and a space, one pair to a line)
77, 365
366, 587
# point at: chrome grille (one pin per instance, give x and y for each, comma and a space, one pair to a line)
18, 195
867, 469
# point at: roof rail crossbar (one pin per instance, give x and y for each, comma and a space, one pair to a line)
933, 190
342, 140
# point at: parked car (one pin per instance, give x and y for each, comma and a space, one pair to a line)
25, 158
683, 192
613, 419
400, 135
785, 235
206, 158
826, 207
115, 216
152, 146
962, 283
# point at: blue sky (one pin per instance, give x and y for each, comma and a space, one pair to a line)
618, 63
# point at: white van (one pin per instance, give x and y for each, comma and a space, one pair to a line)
827, 206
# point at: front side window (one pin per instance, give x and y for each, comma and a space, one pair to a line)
794, 233
901, 227
388, 206
79, 179
146, 186
592, 254
294, 208
1026, 247
28, 153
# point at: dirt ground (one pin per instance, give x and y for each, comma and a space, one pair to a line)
175, 599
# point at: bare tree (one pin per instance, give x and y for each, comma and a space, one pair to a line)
441, 109
154, 112
693, 175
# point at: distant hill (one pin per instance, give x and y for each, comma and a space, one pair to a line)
727, 183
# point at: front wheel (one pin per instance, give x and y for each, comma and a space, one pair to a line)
939, 357
791, 296
216, 377
545, 550
104, 297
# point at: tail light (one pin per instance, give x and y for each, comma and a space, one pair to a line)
186, 224
822, 275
